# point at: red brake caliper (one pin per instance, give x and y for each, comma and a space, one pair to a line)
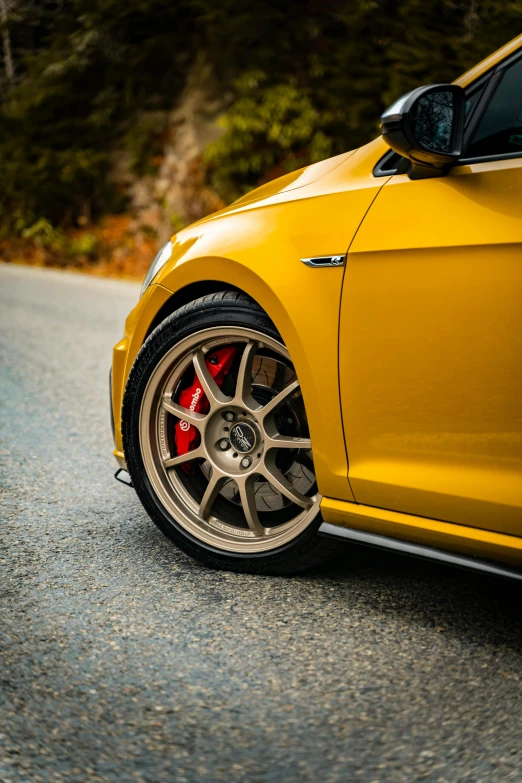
194, 398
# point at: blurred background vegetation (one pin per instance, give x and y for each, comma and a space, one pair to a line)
123, 120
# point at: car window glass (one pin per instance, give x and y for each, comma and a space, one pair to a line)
471, 102
500, 129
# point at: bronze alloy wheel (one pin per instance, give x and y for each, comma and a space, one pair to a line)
216, 440
248, 485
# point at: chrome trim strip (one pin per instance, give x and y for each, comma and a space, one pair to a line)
321, 261
418, 550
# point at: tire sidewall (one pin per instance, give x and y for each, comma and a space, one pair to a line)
182, 324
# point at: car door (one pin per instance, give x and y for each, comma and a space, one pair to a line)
431, 332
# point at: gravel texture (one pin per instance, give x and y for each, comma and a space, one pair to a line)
122, 660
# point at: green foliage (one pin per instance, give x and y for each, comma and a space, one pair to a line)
176, 222
318, 77
85, 75
264, 124
304, 80
44, 234
84, 245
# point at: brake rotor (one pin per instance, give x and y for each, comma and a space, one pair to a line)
269, 377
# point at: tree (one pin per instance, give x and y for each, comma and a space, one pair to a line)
302, 79
5, 7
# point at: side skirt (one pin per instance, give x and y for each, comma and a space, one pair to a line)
418, 550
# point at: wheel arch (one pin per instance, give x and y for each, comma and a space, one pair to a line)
186, 294
304, 309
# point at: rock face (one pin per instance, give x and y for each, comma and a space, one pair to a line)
179, 193
181, 182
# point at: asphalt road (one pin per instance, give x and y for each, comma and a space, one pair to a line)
122, 660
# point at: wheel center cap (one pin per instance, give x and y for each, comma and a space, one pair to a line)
243, 437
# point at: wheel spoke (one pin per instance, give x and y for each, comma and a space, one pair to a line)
215, 483
179, 459
274, 403
287, 442
197, 419
248, 502
248, 484
214, 394
276, 478
244, 378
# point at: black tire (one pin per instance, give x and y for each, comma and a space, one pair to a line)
308, 549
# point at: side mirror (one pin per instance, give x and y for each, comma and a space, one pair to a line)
426, 126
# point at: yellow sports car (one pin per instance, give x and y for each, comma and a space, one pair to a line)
338, 354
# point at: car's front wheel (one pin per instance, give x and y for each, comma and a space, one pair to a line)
217, 441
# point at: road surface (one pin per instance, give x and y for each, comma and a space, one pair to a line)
122, 660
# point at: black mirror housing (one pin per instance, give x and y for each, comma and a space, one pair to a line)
426, 126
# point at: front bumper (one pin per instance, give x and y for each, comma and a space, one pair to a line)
124, 353
118, 453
